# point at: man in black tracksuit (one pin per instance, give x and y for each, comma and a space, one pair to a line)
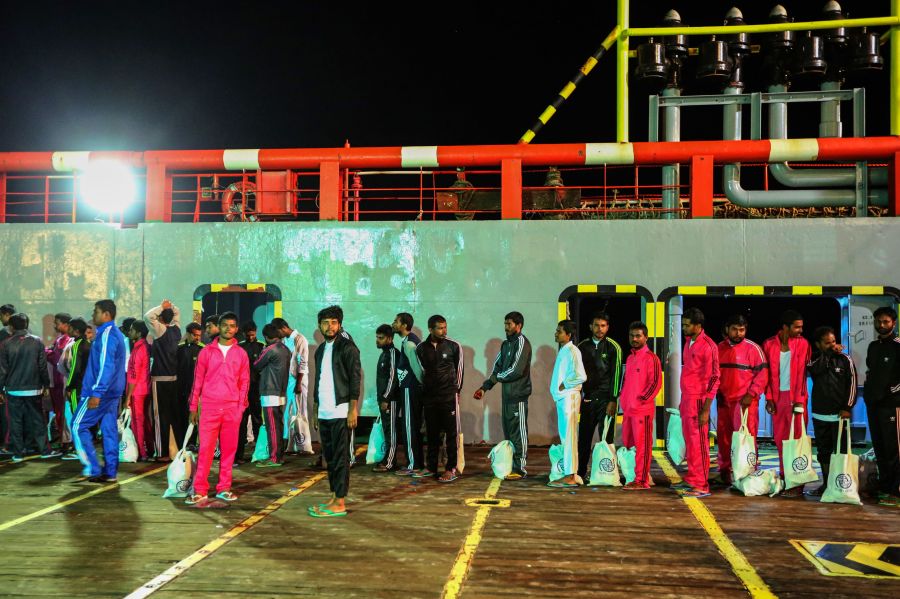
409, 376
253, 413
833, 396
169, 416
882, 396
336, 394
512, 369
442, 372
24, 380
388, 387
602, 358
273, 372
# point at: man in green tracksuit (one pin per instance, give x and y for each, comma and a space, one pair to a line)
512, 369
602, 358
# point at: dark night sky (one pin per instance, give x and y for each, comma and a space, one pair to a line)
155, 75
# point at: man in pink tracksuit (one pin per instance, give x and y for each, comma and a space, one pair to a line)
699, 383
221, 382
744, 373
643, 379
787, 353
138, 379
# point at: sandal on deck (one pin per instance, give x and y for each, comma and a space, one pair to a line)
326, 513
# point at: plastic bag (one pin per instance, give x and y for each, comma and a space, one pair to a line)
501, 457
626, 463
261, 451
843, 473
182, 469
675, 437
759, 482
797, 454
128, 450
744, 460
377, 447
460, 452
557, 462
604, 461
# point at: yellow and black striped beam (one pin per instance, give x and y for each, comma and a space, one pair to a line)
272, 290
567, 90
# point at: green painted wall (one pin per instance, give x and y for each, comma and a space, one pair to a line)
471, 272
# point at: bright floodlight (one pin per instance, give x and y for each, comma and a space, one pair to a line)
108, 186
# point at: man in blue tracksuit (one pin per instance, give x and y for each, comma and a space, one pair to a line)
101, 391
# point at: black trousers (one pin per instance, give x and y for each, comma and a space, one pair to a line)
826, 443
335, 436
27, 429
889, 422
593, 417
514, 415
169, 414
252, 414
875, 433
412, 425
4, 425
394, 433
441, 416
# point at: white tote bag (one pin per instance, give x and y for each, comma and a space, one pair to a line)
759, 482
743, 450
843, 472
299, 439
181, 471
128, 450
501, 457
797, 455
604, 462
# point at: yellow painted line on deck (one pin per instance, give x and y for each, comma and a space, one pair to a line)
739, 564
466, 554
204, 552
23, 519
241, 527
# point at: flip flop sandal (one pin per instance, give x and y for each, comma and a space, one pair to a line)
558, 485
326, 513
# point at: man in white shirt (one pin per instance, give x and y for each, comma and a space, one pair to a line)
565, 388
298, 436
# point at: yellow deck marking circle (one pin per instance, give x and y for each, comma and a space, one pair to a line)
21, 520
738, 562
466, 554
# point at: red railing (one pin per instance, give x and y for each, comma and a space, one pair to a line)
577, 192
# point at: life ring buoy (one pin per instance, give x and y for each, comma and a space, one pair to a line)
243, 209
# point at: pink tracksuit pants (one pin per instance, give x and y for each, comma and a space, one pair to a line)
218, 424
637, 432
696, 443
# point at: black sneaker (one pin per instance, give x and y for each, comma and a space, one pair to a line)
48, 455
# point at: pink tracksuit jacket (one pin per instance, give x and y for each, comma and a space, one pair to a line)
700, 369
221, 382
743, 369
643, 379
139, 368
800, 355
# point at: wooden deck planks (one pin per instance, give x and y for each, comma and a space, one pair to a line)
401, 540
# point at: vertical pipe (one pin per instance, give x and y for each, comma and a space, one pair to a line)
830, 112
622, 71
46, 199
673, 356
3, 198
671, 173
895, 71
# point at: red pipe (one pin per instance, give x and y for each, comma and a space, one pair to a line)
848, 148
